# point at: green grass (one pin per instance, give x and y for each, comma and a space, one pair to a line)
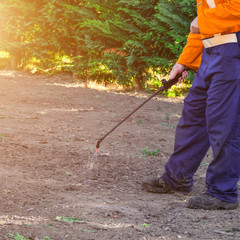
167, 116
145, 225
2, 136
140, 122
18, 236
171, 125
69, 219
146, 152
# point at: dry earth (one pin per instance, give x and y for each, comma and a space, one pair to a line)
49, 129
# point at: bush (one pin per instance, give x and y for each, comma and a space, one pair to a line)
124, 40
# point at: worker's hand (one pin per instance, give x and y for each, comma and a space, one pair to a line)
179, 68
194, 28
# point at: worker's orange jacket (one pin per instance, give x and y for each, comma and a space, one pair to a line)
214, 17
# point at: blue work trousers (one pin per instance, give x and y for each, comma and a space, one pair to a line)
211, 117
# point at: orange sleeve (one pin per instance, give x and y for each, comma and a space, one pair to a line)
192, 53
224, 17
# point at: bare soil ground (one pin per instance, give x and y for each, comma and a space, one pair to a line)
49, 129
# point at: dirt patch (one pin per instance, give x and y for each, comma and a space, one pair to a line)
49, 129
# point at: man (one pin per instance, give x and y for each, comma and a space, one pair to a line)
211, 112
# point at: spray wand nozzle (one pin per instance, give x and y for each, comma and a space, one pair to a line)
98, 143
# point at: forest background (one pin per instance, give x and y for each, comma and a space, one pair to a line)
128, 42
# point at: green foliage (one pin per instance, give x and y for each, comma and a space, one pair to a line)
146, 152
69, 219
128, 41
2, 137
17, 236
145, 225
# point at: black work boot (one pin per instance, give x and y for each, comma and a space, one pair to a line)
158, 185
207, 202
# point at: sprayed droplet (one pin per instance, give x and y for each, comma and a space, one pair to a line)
92, 161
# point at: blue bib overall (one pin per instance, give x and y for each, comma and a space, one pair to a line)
211, 117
